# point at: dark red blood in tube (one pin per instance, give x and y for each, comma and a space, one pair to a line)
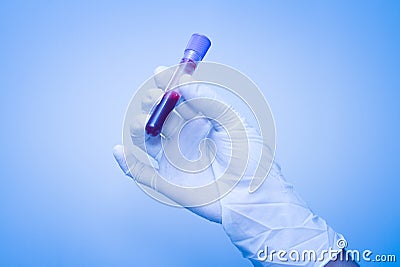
161, 112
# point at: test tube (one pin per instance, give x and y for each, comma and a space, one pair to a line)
195, 51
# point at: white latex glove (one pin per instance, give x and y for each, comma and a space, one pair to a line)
273, 216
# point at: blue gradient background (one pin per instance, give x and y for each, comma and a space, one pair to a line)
329, 69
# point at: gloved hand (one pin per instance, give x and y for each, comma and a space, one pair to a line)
273, 215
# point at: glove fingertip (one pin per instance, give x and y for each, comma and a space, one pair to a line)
119, 156
162, 75
159, 69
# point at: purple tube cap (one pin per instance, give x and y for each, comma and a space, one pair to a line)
200, 44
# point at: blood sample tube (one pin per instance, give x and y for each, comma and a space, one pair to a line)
195, 51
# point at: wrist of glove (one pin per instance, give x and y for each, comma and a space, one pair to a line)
273, 219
